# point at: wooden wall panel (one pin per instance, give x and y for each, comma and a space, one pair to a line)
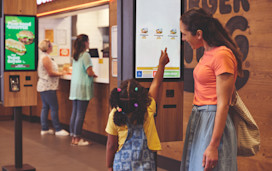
113, 22
65, 105
24, 7
5, 113
97, 112
169, 120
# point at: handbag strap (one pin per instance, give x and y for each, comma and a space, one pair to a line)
234, 98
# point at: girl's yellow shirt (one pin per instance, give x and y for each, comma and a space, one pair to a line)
153, 141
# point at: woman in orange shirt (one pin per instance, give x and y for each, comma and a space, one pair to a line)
210, 142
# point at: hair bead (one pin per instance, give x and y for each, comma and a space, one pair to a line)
132, 99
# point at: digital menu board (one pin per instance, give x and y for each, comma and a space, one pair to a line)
157, 27
20, 43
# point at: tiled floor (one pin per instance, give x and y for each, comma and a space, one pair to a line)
49, 152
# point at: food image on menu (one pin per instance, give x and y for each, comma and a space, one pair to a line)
26, 37
159, 31
15, 46
173, 31
144, 30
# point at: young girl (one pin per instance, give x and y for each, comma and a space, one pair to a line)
132, 135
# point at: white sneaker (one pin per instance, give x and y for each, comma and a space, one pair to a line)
50, 131
62, 133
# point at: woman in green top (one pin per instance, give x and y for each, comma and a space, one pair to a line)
81, 89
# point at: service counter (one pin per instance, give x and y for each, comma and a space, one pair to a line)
97, 111
96, 80
100, 68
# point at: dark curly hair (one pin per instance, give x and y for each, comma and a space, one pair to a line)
130, 98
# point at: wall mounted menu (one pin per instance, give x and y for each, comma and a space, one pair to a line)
20, 43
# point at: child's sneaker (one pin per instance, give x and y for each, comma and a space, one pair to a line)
62, 133
50, 131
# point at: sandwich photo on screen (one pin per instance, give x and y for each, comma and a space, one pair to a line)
25, 36
15, 46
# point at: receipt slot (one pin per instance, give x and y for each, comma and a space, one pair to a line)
14, 83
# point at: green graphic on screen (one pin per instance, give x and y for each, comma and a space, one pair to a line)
20, 44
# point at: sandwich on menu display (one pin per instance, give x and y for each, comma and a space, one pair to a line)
157, 27
20, 46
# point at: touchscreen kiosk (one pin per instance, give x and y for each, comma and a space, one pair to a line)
157, 27
20, 43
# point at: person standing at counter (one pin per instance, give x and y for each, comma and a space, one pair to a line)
210, 140
81, 89
47, 85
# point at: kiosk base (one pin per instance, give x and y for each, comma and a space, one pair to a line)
26, 167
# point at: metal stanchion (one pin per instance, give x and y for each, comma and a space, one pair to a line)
19, 166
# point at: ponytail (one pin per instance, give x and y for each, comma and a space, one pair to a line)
227, 41
79, 45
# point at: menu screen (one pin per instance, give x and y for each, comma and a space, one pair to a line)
157, 27
20, 44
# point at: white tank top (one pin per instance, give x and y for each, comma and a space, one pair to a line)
46, 82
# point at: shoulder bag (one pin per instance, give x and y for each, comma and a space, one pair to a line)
247, 131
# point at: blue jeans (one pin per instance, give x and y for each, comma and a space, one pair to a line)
77, 117
50, 101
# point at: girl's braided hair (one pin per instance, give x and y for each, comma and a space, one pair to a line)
132, 98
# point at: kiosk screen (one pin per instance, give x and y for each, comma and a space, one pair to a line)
20, 43
157, 27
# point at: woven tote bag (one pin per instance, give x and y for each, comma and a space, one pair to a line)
247, 131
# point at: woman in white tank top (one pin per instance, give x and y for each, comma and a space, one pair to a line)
47, 85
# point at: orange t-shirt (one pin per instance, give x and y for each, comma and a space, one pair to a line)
213, 63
